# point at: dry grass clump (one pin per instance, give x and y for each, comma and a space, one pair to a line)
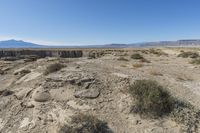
145, 60
158, 52
137, 65
85, 124
95, 54
152, 100
195, 61
53, 68
187, 115
121, 58
123, 65
137, 56
188, 54
155, 73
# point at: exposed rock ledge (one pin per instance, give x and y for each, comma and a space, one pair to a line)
41, 53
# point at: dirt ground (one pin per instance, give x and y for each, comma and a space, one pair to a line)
31, 102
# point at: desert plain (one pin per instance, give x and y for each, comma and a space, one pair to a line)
44, 94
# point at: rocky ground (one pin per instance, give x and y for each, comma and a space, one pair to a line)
32, 102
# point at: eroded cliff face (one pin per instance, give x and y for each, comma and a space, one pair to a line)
42, 53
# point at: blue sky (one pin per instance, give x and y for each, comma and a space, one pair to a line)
86, 22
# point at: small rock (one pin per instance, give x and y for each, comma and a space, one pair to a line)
89, 93
138, 122
87, 85
28, 105
6, 92
21, 71
86, 80
41, 95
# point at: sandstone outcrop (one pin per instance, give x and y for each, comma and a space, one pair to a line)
24, 54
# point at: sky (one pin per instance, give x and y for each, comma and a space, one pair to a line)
91, 22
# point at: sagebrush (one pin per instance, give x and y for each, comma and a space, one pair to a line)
85, 124
151, 98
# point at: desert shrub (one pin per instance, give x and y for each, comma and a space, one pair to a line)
145, 60
158, 52
196, 61
155, 73
187, 115
53, 68
91, 55
152, 99
137, 65
95, 54
85, 124
188, 54
121, 58
136, 56
123, 65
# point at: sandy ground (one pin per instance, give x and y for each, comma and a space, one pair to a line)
43, 103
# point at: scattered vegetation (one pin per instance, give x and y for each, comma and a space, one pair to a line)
85, 124
152, 99
121, 58
145, 60
95, 54
188, 54
53, 68
196, 61
186, 115
155, 73
123, 65
137, 56
158, 52
137, 65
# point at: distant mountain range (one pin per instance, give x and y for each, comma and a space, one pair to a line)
179, 43
18, 44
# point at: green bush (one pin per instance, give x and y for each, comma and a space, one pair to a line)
85, 124
188, 54
137, 56
151, 99
53, 68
